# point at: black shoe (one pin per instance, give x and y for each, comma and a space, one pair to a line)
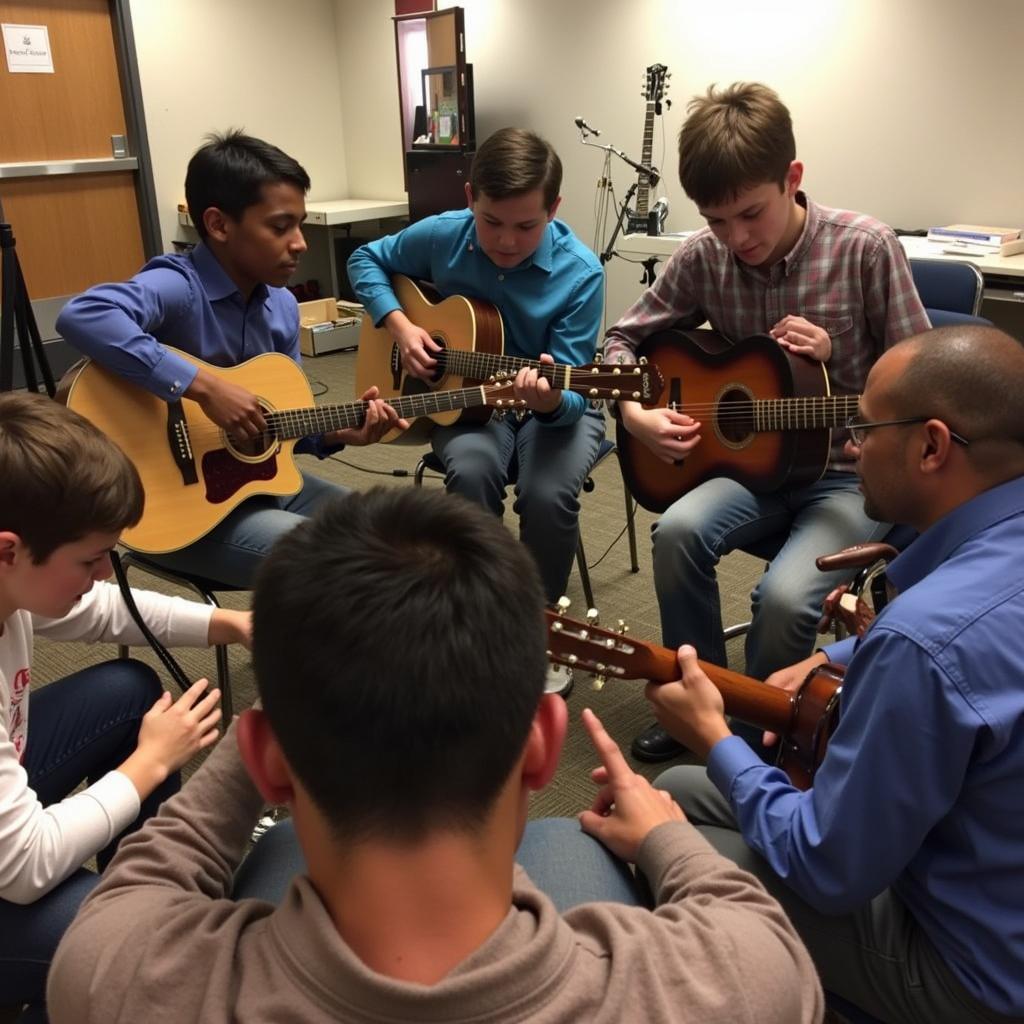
654, 744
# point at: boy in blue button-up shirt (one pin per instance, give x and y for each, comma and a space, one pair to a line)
224, 303
507, 249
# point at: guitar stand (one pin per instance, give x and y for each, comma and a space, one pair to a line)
17, 320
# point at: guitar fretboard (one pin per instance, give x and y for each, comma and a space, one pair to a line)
643, 187
481, 365
823, 412
285, 424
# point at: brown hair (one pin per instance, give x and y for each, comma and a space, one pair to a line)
734, 139
62, 476
513, 161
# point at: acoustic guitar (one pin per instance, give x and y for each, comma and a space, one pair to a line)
766, 416
803, 720
194, 473
471, 335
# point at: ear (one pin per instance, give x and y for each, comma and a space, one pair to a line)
544, 743
469, 195
10, 547
937, 446
215, 220
554, 209
263, 758
794, 177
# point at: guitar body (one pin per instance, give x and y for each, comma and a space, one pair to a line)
719, 382
456, 323
178, 512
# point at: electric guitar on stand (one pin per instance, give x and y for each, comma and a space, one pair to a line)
641, 220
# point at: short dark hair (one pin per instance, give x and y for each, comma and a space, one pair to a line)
229, 171
734, 139
398, 642
514, 161
63, 477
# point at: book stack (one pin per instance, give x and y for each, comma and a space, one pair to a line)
978, 240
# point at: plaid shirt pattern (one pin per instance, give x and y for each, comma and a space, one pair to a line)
846, 273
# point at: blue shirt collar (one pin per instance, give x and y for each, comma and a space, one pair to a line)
216, 282
939, 541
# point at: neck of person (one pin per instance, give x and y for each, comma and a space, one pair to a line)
414, 911
245, 285
797, 219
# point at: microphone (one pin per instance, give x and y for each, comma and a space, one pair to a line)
584, 127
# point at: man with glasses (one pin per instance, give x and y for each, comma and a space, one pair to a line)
901, 866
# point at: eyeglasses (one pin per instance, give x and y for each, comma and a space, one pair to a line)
857, 428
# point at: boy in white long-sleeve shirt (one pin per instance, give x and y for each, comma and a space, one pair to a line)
68, 493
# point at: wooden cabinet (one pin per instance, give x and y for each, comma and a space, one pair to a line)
437, 181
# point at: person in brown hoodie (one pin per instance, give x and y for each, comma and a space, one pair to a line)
399, 646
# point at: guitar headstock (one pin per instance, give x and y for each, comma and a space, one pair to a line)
656, 85
638, 382
500, 393
605, 653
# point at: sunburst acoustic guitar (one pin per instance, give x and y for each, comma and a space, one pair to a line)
471, 335
194, 473
766, 416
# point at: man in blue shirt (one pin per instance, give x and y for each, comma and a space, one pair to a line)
901, 866
224, 303
509, 250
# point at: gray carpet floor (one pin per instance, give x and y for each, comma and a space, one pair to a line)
619, 594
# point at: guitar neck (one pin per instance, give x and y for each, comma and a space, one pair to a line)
745, 698
821, 412
288, 424
643, 187
482, 365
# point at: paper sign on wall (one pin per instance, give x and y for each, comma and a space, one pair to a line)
28, 49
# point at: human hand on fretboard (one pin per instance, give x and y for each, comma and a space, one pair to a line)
535, 390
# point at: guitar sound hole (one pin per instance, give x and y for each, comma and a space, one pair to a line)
735, 416
442, 368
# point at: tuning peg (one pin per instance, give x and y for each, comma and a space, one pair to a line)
563, 604
593, 393
636, 396
599, 357
598, 682
642, 360
617, 370
621, 628
593, 615
616, 393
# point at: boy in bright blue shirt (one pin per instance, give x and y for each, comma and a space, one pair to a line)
507, 249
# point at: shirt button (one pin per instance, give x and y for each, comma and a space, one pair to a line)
501, 277
174, 387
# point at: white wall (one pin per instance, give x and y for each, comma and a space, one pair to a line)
263, 65
906, 109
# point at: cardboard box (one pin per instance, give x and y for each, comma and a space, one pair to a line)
321, 330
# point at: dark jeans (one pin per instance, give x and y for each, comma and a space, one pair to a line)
80, 728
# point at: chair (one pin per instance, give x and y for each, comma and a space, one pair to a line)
950, 291
433, 463
205, 589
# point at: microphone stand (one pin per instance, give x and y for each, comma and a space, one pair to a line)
653, 177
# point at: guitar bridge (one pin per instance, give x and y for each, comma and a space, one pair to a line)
180, 443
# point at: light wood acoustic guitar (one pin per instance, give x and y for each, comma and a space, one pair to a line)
803, 720
766, 416
194, 473
472, 336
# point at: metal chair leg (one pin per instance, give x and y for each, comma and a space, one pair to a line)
581, 564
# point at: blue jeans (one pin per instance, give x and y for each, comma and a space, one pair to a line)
720, 516
80, 728
559, 857
548, 466
233, 550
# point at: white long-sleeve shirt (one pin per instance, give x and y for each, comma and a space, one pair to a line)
41, 846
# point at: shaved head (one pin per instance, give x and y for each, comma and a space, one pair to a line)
971, 378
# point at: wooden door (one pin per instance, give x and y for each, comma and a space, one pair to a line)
73, 206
